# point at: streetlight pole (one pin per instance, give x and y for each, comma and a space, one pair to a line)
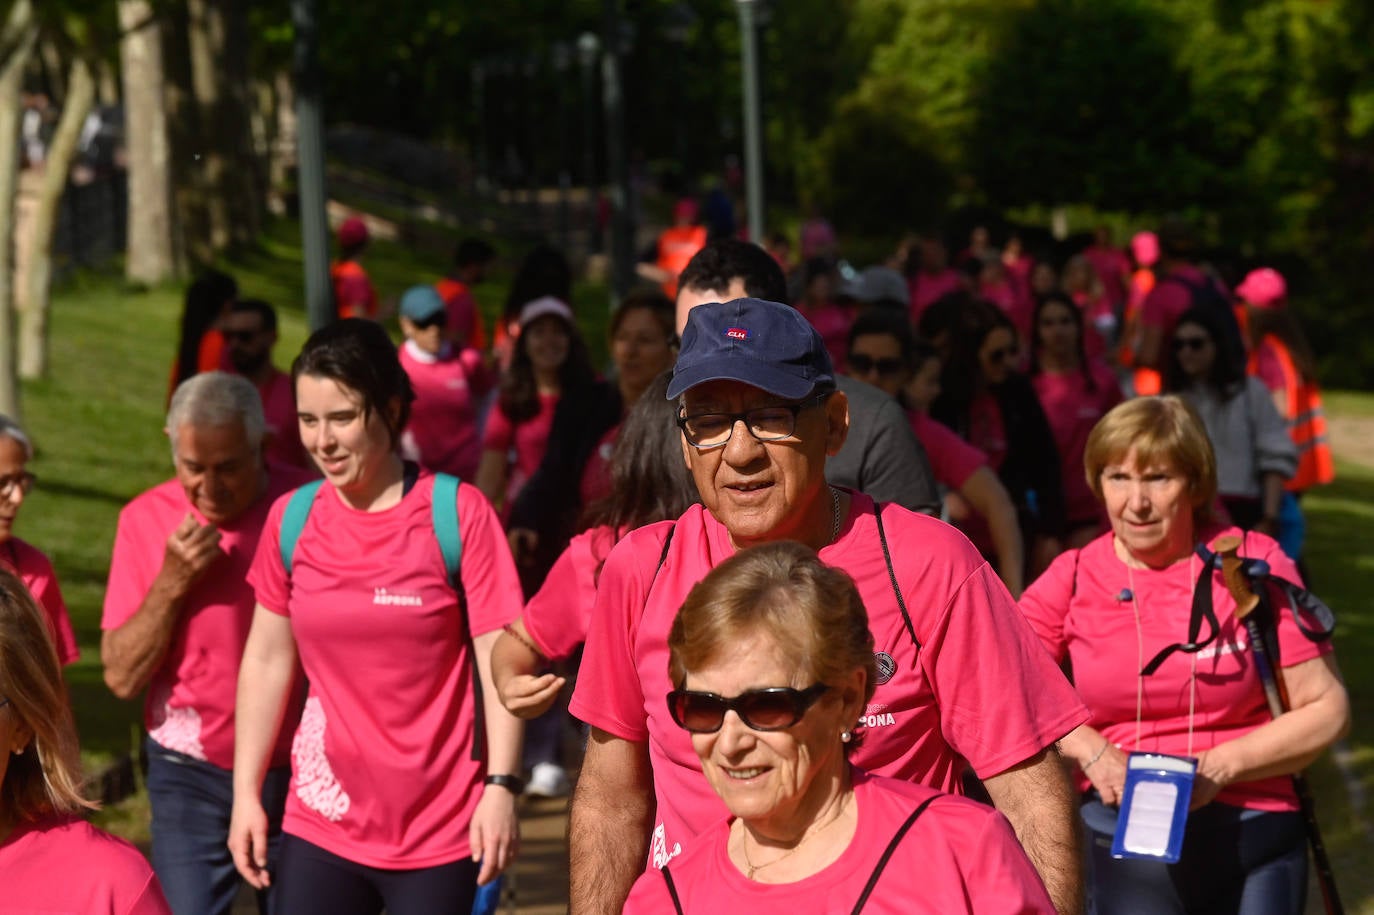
753, 140
319, 295
588, 47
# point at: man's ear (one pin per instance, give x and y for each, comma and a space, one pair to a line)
837, 422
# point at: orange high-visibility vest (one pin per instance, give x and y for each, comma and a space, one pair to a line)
449, 289
676, 246
1146, 381
1306, 419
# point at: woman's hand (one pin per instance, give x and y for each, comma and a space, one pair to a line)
527, 696
248, 841
494, 832
1108, 774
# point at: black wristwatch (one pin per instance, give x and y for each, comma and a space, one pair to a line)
512, 783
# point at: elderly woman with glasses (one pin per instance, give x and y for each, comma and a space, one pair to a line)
773, 664
52, 860
29, 563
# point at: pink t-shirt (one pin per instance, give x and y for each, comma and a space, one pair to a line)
388, 762
1169, 299
1267, 367
1113, 269
528, 441
284, 431
36, 572
441, 435
1019, 309
190, 702
958, 856
65, 866
1001, 699
1087, 621
986, 430
560, 611
927, 287
832, 323
1072, 411
952, 460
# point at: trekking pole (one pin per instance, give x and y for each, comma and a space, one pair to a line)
1275, 693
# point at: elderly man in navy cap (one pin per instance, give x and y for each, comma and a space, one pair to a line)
963, 679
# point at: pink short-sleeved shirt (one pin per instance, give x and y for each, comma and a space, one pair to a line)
596, 476
558, 615
1072, 410
528, 440
387, 764
65, 866
952, 460
958, 856
1077, 609
926, 288
284, 431
36, 572
190, 702
1001, 699
441, 435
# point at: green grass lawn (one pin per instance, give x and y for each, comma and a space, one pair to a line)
97, 425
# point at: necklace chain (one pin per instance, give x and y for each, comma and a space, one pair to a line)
834, 514
755, 868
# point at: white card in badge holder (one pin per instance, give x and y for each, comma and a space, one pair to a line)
1154, 807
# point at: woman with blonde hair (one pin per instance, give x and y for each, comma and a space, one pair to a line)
51, 859
1146, 622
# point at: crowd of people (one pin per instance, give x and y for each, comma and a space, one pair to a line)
821, 551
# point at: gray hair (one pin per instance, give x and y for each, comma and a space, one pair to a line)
11, 429
217, 399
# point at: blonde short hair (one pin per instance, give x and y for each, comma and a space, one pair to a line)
811, 611
46, 778
1164, 432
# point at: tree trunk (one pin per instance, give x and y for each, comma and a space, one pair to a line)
17, 37
32, 306
151, 253
244, 181
186, 141
205, 36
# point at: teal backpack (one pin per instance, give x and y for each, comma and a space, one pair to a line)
443, 505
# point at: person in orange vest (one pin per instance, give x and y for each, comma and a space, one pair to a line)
463, 319
675, 247
354, 296
1145, 252
1281, 358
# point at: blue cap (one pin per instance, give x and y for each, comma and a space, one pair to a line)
420, 303
764, 344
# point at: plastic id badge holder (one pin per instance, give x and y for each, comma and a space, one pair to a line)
1154, 807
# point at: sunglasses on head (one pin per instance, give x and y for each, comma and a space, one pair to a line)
862, 364
773, 709
1190, 343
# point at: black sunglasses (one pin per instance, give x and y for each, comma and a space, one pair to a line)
771, 709
1002, 355
1196, 344
438, 319
862, 364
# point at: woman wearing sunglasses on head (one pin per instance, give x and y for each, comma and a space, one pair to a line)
773, 663
1255, 454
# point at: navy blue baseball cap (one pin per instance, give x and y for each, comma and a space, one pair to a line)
764, 344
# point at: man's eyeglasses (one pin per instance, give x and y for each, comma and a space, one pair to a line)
22, 482
767, 424
773, 709
863, 365
1196, 344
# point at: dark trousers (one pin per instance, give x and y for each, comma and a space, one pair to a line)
313, 881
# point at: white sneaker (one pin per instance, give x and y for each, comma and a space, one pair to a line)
548, 780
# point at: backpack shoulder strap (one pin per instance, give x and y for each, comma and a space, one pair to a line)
444, 508
293, 520
892, 575
672, 889
890, 850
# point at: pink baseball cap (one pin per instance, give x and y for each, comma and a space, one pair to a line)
1145, 248
1263, 288
352, 232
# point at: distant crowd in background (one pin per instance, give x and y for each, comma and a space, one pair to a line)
357, 608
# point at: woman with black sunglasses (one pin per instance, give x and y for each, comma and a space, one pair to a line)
773, 662
1255, 454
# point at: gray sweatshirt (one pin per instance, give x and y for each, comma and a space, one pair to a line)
1248, 435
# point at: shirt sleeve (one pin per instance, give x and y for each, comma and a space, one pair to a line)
556, 617
1045, 604
609, 694
999, 876
267, 576
982, 655
48, 593
1274, 448
952, 459
498, 433
133, 565
487, 571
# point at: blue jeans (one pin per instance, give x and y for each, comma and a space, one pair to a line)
192, 801
1234, 861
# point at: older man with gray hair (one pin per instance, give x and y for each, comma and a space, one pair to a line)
177, 613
